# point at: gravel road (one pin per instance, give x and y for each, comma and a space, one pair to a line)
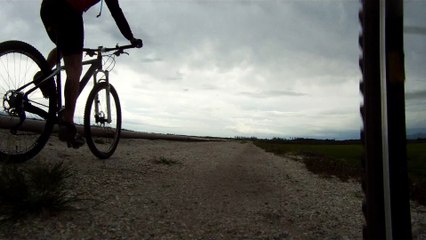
157, 189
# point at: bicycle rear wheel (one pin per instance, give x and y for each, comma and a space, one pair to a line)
102, 124
26, 117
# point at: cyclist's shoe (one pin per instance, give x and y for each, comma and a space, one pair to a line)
68, 133
38, 77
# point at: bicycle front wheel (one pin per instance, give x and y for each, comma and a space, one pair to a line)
26, 116
102, 120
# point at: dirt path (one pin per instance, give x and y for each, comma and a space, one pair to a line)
197, 190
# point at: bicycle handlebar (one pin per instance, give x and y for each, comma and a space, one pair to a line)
118, 50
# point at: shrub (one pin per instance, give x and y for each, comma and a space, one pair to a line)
40, 189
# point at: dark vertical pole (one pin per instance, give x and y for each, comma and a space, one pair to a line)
385, 181
373, 206
398, 170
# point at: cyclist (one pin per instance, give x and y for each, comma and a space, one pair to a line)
63, 20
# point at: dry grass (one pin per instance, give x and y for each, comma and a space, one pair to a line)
39, 189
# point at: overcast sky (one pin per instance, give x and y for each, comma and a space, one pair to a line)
264, 68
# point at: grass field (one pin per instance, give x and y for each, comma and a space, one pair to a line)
342, 159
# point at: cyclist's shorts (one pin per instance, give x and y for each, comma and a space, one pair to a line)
64, 25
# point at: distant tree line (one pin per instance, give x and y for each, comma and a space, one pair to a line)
299, 140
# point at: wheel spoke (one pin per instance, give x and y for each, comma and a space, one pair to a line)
102, 135
22, 137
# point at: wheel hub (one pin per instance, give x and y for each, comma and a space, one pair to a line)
13, 102
100, 118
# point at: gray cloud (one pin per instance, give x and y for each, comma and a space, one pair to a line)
240, 67
277, 93
420, 94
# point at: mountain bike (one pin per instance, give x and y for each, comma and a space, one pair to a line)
28, 116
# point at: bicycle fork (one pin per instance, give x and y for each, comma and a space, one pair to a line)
99, 114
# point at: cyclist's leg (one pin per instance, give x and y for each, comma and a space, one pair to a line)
50, 13
72, 35
70, 42
52, 58
65, 28
39, 76
68, 131
73, 68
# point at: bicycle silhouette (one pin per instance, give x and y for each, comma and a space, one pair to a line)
27, 117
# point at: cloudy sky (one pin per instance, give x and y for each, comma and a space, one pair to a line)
264, 68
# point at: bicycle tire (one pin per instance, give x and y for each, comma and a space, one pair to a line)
19, 62
102, 138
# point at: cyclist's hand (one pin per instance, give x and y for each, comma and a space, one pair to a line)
136, 42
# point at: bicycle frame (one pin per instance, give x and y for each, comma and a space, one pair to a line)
94, 69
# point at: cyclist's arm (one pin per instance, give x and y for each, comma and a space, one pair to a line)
119, 18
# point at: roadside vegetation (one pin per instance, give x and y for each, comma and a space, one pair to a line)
41, 189
342, 159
